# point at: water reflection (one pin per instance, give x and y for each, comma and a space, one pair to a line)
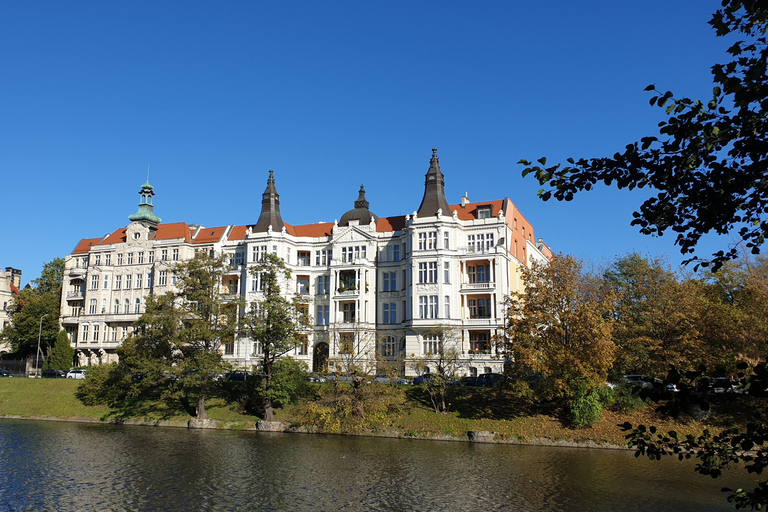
68, 466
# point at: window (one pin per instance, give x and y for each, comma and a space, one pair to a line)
432, 240
323, 285
323, 257
113, 331
151, 256
231, 285
127, 307
302, 258
479, 308
484, 213
303, 345
164, 254
97, 260
106, 282
94, 282
388, 345
118, 282
229, 348
390, 313
392, 253
433, 306
390, 281
479, 343
446, 240
138, 280
103, 306
348, 280
128, 282
116, 309
130, 258
163, 278
108, 259
120, 259
258, 252
302, 285
85, 333
431, 344
428, 272
141, 258
348, 312
255, 282
479, 273
350, 254
92, 307
322, 315
95, 333
346, 342
447, 306
446, 272
175, 255
137, 306
422, 241
423, 306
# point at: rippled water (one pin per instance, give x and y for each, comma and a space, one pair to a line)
69, 466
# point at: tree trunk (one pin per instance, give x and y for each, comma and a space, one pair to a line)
201, 414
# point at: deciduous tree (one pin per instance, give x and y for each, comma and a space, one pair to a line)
707, 165
440, 365
560, 328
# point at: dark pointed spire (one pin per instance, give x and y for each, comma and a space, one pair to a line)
361, 213
434, 190
270, 208
145, 213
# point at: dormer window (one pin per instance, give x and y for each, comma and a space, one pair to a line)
484, 212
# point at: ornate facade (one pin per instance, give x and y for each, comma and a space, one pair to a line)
376, 287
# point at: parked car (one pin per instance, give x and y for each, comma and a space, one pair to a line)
5, 373
469, 380
76, 374
54, 374
394, 380
237, 376
490, 380
422, 379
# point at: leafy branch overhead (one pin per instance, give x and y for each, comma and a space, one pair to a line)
708, 162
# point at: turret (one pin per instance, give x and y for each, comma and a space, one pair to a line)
434, 191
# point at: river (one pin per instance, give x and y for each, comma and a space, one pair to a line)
72, 466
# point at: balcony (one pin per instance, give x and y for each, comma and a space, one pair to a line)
77, 272
471, 287
482, 321
77, 295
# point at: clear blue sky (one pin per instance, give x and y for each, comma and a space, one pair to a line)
330, 95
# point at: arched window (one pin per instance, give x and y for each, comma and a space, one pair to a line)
127, 307
117, 306
388, 346
137, 306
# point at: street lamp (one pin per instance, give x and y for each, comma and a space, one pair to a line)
37, 357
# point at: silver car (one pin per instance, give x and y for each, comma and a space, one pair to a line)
76, 374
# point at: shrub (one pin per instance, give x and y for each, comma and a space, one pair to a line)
626, 399
586, 409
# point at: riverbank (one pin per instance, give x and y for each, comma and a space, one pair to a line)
54, 399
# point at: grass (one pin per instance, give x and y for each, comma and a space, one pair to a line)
473, 409
55, 398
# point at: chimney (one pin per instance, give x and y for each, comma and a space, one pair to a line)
465, 200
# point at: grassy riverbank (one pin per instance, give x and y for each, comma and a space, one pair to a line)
474, 410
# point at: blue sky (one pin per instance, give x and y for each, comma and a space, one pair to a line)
330, 95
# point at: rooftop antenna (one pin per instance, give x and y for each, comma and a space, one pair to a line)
147, 173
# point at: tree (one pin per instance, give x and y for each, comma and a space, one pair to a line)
33, 307
708, 163
658, 317
441, 365
208, 320
62, 354
276, 323
559, 328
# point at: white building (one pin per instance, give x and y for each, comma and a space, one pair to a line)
10, 283
375, 287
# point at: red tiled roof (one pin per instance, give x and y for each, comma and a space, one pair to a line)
117, 237
14, 290
238, 233
390, 224
171, 231
209, 235
85, 245
310, 230
469, 212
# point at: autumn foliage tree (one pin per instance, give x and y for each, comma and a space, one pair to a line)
560, 328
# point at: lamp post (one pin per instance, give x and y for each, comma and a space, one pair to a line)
37, 356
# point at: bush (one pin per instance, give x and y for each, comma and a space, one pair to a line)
586, 409
626, 399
